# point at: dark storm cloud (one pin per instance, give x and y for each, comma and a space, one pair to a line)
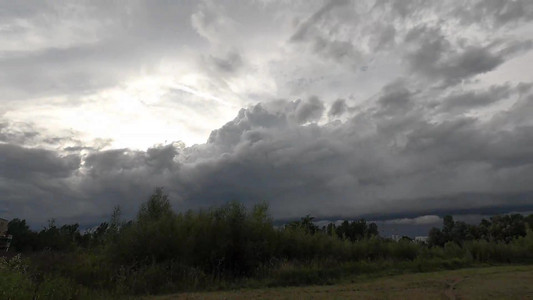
459, 101
309, 110
394, 97
365, 166
338, 108
332, 169
435, 57
35, 182
152, 161
19, 162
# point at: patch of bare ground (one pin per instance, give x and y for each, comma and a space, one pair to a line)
501, 282
450, 290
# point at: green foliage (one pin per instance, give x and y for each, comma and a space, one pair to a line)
227, 241
14, 281
353, 231
162, 251
17, 281
404, 250
25, 240
503, 228
306, 224
155, 208
55, 287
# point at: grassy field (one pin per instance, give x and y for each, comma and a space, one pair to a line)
502, 282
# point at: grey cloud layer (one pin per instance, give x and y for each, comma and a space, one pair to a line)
78, 48
275, 152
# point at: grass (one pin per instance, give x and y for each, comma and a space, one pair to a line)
499, 282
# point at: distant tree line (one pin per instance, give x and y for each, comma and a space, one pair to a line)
497, 229
352, 231
56, 238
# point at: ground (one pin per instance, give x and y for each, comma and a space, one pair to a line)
500, 282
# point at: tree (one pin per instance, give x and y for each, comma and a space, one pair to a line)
305, 223
23, 238
436, 237
356, 230
508, 227
372, 230
459, 232
448, 224
156, 207
529, 221
330, 229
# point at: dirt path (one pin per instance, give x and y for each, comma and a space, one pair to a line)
450, 290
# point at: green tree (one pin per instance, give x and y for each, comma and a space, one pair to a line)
372, 230
156, 207
306, 224
436, 237
23, 238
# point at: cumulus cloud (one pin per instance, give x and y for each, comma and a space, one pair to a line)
19, 163
373, 109
338, 108
394, 96
268, 153
309, 110
460, 101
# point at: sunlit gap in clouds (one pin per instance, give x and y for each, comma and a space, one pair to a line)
154, 114
137, 114
145, 112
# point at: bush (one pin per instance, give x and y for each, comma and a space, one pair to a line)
15, 282
404, 250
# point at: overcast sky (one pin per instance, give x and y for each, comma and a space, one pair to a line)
390, 110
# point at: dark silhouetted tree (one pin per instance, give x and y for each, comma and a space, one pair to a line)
23, 238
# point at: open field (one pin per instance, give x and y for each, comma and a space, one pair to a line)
502, 282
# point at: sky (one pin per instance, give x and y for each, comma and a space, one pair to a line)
395, 111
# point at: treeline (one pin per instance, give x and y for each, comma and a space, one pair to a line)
161, 251
353, 231
60, 238
68, 237
497, 229
52, 237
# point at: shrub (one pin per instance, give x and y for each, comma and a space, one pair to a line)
15, 282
